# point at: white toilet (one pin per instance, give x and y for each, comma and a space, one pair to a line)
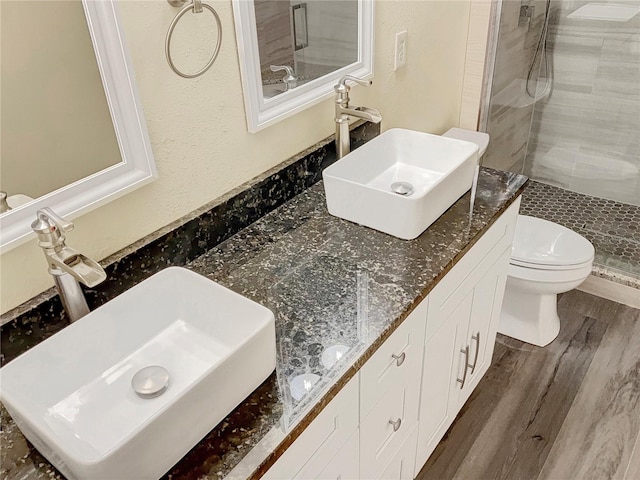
546, 259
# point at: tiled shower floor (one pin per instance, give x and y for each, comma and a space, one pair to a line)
612, 227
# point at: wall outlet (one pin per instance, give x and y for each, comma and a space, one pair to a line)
401, 50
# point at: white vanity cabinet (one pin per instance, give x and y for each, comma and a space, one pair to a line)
366, 429
311, 455
464, 309
389, 418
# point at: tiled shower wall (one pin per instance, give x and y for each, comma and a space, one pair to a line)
585, 136
510, 108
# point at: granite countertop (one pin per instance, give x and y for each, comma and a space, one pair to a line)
330, 283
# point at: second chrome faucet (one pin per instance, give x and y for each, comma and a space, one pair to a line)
67, 266
344, 111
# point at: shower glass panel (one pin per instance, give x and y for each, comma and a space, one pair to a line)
514, 85
564, 108
586, 135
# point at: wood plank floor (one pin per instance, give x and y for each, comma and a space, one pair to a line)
568, 411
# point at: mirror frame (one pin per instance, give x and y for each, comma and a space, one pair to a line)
137, 167
263, 112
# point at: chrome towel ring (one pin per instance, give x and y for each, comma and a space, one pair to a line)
197, 7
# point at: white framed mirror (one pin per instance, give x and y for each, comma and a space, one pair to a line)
73, 131
319, 40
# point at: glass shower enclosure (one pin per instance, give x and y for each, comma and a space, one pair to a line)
562, 105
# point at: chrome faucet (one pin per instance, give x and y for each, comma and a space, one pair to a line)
290, 80
67, 266
344, 111
4, 205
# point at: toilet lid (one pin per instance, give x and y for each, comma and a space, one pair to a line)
547, 244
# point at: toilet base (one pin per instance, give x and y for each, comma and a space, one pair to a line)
532, 318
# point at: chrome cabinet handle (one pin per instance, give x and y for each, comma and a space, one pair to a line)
396, 424
399, 358
461, 381
475, 337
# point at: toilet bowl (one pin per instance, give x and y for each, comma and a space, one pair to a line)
546, 259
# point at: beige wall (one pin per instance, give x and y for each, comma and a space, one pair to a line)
198, 130
56, 126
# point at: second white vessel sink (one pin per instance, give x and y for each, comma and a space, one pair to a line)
78, 396
401, 181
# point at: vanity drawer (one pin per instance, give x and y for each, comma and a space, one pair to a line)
344, 466
402, 464
387, 427
312, 451
465, 274
396, 363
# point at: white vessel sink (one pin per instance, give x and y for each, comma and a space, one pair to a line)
440, 170
72, 394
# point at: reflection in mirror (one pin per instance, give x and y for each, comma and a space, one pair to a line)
56, 125
293, 52
73, 132
313, 38
300, 27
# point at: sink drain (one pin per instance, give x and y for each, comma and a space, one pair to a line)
402, 188
150, 382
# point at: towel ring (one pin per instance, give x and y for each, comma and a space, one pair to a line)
197, 7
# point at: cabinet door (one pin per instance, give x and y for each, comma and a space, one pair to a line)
444, 363
485, 312
461, 327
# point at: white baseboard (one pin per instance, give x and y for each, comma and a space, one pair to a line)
617, 292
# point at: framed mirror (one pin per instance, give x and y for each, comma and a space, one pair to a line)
73, 131
292, 52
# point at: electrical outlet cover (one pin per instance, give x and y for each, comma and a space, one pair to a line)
400, 50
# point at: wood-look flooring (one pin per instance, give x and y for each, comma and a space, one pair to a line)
568, 411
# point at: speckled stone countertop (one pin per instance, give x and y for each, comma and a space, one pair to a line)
330, 283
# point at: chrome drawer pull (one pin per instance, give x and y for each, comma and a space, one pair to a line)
461, 381
399, 358
475, 337
396, 424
